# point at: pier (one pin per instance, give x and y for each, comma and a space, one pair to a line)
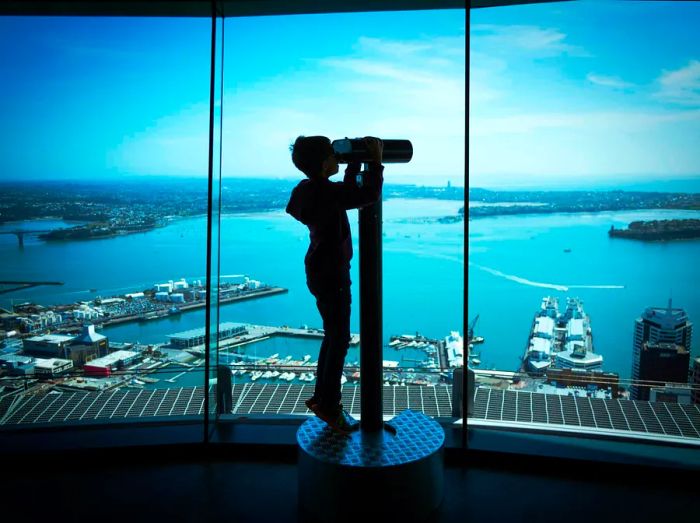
418, 342
21, 285
198, 304
154, 310
257, 333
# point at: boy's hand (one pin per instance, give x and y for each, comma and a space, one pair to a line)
375, 147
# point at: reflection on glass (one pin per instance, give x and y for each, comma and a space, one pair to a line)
583, 218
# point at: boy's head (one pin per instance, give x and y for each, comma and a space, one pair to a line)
314, 156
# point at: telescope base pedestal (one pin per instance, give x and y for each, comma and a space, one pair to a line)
396, 472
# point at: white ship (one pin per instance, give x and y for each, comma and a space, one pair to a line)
561, 340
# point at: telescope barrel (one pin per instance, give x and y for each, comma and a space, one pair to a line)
354, 150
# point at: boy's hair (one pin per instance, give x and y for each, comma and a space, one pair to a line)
309, 153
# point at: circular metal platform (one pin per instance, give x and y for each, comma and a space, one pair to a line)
395, 472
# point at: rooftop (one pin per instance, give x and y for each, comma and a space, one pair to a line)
199, 332
112, 358
51, 363
668, 317
51, 338
557, 410
88, 335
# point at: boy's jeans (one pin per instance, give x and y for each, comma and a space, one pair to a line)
333, 302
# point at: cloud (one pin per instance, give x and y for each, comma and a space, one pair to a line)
608, 81
526, 123
451, 46
534, 40
395, 89
394, 48
681, 86
424, 77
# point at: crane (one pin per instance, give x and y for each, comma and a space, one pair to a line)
470, 329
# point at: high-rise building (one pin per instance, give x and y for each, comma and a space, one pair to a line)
695, 394
662, 340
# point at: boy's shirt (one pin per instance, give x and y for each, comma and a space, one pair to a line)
321, 205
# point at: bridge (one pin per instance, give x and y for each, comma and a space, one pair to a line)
20, 234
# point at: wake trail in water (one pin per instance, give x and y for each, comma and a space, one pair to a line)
596, 286
555, 286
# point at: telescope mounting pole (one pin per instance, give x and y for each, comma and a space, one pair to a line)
371, 374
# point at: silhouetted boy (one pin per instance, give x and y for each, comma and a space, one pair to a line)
321, 205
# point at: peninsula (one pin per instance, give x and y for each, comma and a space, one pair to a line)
658, 230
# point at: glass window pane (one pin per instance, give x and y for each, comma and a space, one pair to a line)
392, 75
103, 235
583, 215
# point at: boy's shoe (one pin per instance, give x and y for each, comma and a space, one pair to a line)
338, 419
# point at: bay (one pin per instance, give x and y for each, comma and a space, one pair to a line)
513, 262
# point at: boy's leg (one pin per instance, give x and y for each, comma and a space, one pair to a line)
318, 390
334, 306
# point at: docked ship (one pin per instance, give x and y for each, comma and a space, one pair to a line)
560, 340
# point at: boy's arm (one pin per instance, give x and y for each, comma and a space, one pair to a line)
352, 196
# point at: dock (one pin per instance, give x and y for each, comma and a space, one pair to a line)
223, 300
418, 342
258, 333
23, 285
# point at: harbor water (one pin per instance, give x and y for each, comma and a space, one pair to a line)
514, 261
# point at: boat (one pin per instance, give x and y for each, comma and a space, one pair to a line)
567, 250
174, 310
561, 340
454, 345
576, 356
256, 375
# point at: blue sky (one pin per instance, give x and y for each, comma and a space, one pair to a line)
560, 93
585, 91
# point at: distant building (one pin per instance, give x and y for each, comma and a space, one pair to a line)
87, 346
661, 349
50, 368
660, 365
17, 365
39, 321
177, 297
9, 320
108, 364
48, 345
180, 285
587, 379
671, 394
695, 396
